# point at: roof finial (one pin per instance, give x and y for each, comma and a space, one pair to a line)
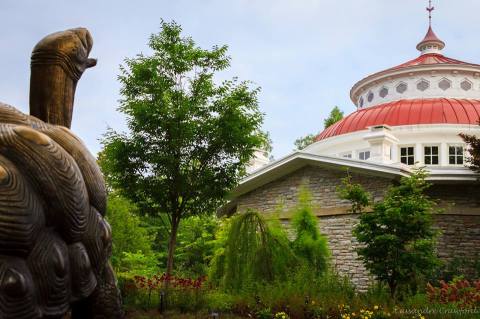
430, 9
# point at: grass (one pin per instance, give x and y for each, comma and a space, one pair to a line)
153, 314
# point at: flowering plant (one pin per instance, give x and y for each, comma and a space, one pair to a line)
281, 315
459, 291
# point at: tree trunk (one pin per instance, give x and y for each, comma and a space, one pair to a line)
393, 289
171, 246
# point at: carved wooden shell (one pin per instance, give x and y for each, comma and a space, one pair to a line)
54, 240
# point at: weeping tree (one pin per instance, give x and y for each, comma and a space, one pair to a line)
253, 251
309, 244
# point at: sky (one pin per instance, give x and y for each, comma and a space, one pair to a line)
304, 54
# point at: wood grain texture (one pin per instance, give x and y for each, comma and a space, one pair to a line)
18, 294
54, 240
21, 211
52, 202
54, 173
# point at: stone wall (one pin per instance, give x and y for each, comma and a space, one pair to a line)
459, 223
335, 222
460, 236
282, 194
338, 229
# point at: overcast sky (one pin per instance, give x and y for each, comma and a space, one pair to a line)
304, 54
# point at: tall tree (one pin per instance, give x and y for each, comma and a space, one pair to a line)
335, 116
189, 137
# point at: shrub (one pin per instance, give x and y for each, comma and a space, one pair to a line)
309, 244
397, 236
184, 294
459, 292
128, 234
195, 245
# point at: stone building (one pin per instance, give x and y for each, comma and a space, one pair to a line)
407, 116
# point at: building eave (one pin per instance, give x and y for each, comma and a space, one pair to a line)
297, 160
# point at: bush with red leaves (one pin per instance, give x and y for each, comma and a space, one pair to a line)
461, 292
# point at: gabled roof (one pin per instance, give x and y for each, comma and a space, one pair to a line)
297, 160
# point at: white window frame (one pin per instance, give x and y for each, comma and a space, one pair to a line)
439, 157
464, 148
364, 151
347, 155
407, 156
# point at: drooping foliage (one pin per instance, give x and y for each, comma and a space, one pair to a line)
398, 236
189, 136
254, 252
309, 244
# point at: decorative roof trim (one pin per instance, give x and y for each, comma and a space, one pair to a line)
406, 69
297, 160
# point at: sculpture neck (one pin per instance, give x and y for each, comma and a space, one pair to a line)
52, 93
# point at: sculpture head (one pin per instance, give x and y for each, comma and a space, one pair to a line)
58, 62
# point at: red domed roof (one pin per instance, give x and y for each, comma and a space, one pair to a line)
408, 112
429, 59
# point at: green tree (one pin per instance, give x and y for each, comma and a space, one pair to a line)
130, 239
474, 149
302, 142
335, 116
398, 236
309, 244
196, 245
189, 138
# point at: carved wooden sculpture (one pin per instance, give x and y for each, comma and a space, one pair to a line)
54, 240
